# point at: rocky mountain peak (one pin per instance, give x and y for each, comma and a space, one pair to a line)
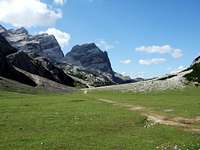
20, 30
43, 44
85, 47
5, 47
90, 57
41, 55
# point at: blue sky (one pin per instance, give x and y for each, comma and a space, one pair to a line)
143, 37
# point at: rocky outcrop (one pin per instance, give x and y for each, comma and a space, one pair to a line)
89, 63
23, 61
88, 78
84, 66
93, 65
11, 60
5, 47
37, 55
6, 68
41, 67
58, 74
37, 45
49, 47
90, 57
120, 79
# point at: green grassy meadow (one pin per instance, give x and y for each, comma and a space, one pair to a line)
78, 121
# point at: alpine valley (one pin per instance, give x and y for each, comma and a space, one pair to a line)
38, 61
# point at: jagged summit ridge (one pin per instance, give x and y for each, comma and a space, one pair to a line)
20, 30
41, 55
90, 57
42, 44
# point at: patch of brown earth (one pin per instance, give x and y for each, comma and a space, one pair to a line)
185, 123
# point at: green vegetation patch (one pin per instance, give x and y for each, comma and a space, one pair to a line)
80, 121
195, 74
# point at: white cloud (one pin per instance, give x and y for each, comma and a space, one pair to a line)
177, 70
177, 53
60, 2
165, 49
28, 13
104, 45
154, 49
62, 37
127, 61
154, 61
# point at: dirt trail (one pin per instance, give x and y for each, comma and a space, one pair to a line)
185, 123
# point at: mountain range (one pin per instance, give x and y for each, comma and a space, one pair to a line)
38, 61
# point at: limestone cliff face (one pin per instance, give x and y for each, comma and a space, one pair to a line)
6, 68
40, 66
90, 57
43, 44
12, 58
85, 65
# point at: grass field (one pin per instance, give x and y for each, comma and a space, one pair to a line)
78, 121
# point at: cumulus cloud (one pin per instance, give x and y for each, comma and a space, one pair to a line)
154, 61
62, 37
60, 2
126, 61
104, 45
165, 49
28, 13
177, 53
154, 49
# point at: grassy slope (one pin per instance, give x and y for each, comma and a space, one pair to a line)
14, 86
77, 121
183, 102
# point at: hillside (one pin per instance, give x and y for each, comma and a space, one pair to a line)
35, 57
189, 76
194, 76
41, 55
